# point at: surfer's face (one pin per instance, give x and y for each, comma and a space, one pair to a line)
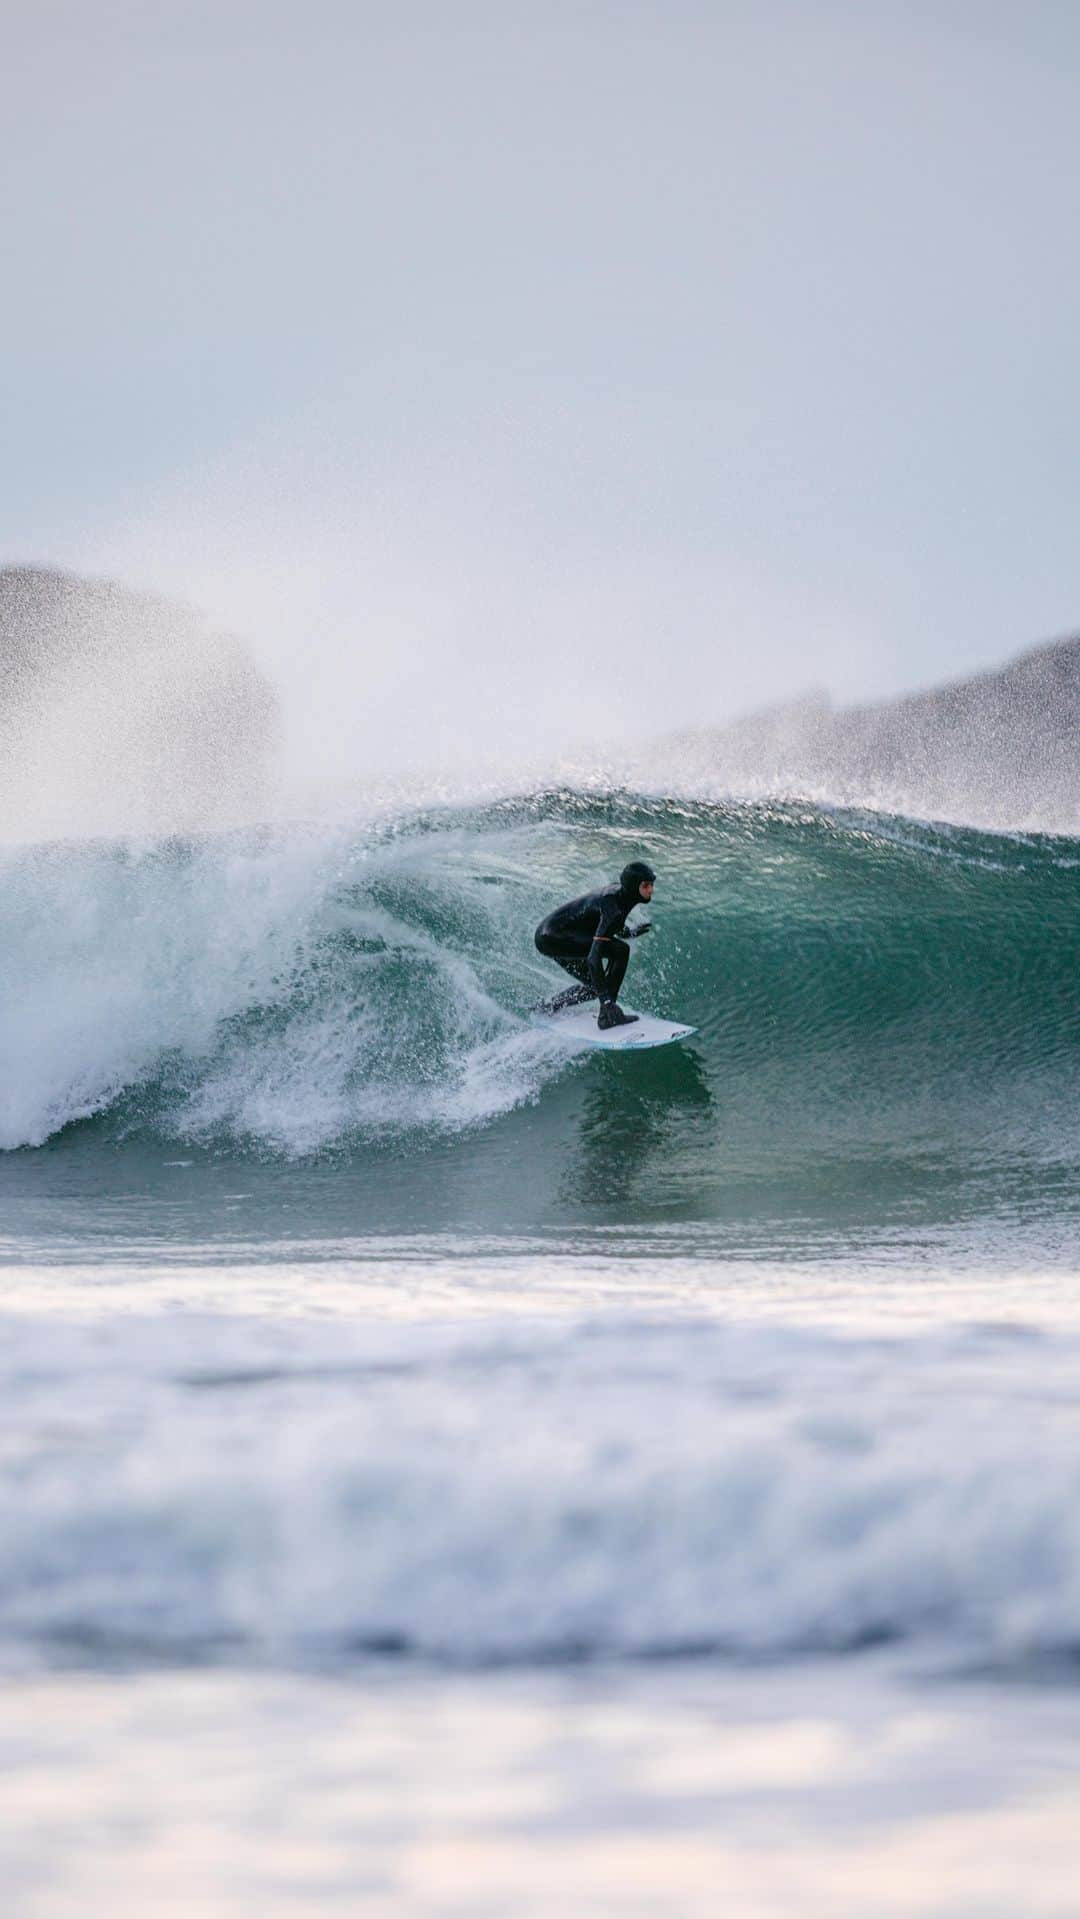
645, 889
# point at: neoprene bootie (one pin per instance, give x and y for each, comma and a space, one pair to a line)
613, 1015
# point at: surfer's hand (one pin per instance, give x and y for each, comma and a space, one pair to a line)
635, 932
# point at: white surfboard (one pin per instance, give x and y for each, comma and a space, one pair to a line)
576, 1026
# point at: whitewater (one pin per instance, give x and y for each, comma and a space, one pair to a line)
681, 1446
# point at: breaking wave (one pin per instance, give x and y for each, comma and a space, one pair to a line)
296, 991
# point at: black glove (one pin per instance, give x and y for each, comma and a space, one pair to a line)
635, 932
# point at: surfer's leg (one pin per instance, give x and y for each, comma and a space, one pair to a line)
572, 955
618, 954
611, 1014
573, 996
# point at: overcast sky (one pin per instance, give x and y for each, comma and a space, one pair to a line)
543, 368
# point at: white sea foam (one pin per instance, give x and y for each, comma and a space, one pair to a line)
536, 1489
257, 982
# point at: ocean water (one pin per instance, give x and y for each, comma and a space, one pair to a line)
440, 1474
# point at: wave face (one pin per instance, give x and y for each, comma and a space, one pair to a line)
877, 1000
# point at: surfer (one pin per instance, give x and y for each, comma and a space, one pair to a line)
587, 938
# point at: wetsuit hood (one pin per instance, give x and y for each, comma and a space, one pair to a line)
631, 877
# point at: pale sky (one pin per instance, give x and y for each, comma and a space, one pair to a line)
535, 370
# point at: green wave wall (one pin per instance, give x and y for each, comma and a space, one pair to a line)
888, 1013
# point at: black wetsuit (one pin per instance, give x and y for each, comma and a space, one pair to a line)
583, 937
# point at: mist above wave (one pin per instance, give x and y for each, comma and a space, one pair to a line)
122, 713
996, 750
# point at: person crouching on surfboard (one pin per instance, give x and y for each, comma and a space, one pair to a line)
583, 937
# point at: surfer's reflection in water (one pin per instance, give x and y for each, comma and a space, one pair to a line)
646, 1123
588, 937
